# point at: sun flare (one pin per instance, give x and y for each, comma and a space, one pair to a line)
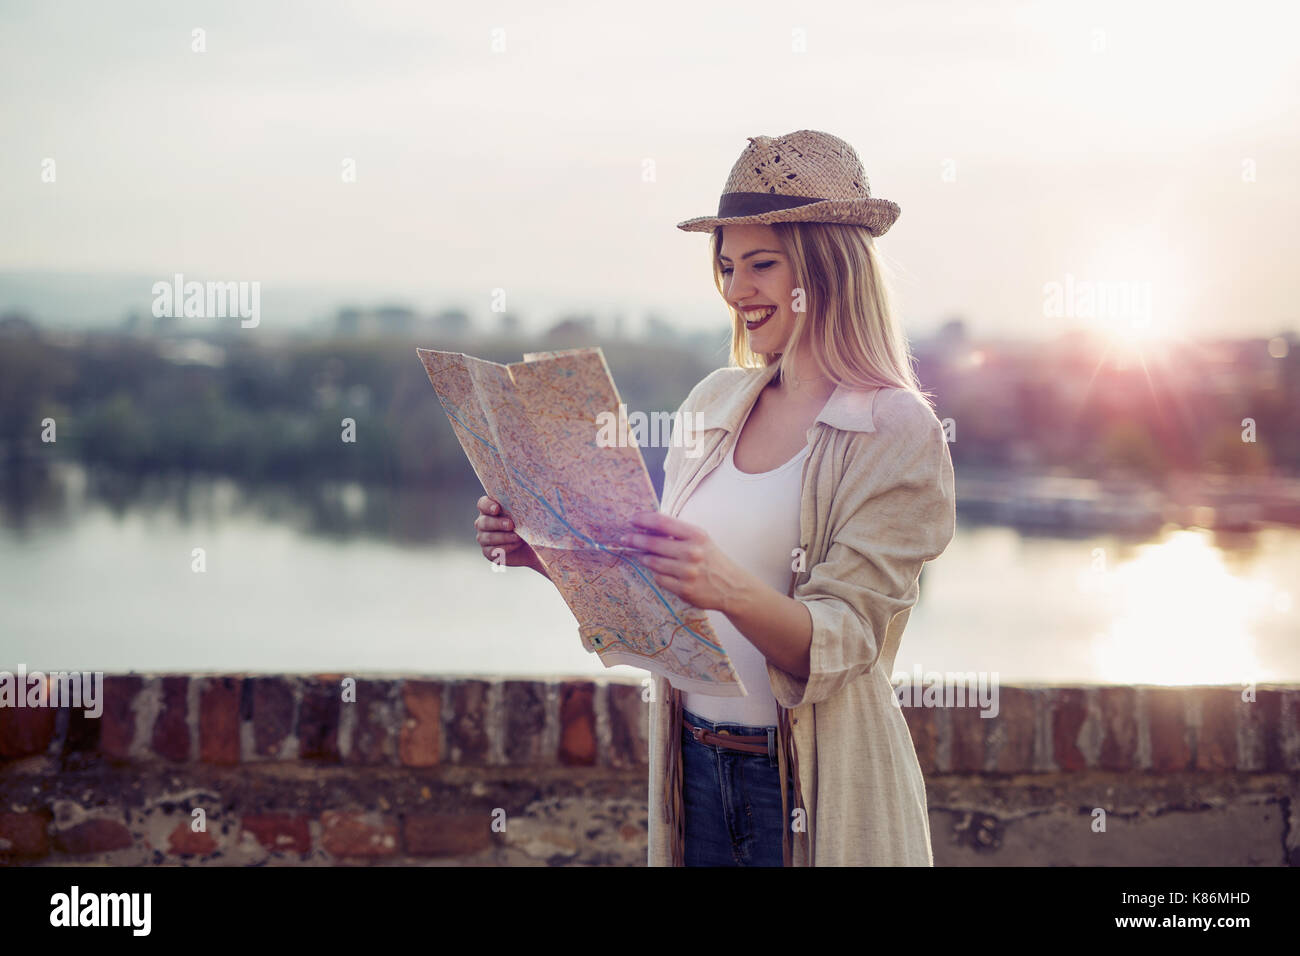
1181, 616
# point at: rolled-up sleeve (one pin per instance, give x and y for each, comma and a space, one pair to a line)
895, 509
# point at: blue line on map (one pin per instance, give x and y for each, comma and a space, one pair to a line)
594, 543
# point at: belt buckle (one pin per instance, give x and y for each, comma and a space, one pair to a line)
697, 733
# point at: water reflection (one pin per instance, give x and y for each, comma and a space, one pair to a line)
56, 495
95, 573
98, 573
1183, 610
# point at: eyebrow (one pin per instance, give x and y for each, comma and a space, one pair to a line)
752, 252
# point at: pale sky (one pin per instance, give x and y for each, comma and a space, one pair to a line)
1148, 143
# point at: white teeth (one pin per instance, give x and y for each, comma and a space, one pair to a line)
759, 316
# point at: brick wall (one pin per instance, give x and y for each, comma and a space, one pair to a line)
284, 770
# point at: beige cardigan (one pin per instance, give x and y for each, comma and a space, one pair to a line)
878, 501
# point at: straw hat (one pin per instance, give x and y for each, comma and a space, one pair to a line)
804, 176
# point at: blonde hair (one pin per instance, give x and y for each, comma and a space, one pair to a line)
855, 338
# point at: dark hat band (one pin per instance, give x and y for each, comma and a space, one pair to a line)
732, 205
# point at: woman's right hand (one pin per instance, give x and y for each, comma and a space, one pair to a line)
496, 531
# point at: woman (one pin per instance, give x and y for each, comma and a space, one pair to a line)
822, 461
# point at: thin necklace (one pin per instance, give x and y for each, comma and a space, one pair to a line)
796, 382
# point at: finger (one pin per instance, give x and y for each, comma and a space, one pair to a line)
485, 523
668, 547
489, 505
498, 537
669, 583
678, 570
664, 524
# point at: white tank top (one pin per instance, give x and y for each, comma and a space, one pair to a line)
754, 520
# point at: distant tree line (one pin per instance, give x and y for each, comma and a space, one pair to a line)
255, 408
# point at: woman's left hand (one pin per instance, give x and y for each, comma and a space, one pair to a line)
687, 563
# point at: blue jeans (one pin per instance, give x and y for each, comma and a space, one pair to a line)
731, 799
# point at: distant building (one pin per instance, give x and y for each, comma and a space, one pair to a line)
656, 329
398, 320
394, 319
348, 322
16, 326
452, 322
951, 342
572, 333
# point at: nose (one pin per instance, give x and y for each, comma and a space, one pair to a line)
738, 292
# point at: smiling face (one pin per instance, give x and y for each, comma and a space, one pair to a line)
758, 282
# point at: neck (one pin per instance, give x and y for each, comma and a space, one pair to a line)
803, 381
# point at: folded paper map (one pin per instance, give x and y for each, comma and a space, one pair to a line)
532, 432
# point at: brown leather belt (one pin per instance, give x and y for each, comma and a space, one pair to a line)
723, 738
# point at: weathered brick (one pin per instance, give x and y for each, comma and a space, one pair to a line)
629, 722
577, 723
525, 720
280, 832
374, 735
967, 747
1069, 711
1119, 728
1216, 737
24, 836
117, 722
219, 720
1254, 728
467, 732
923, 725
81, 739
93, 836
25, 730
1289, 729
318, 721
272, 714
1275, 719
184, 841
358, 834
1165, 707
1013, 730
420, 740
171, 729
1265, 719
447, 834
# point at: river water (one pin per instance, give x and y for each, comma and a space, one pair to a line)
97, 573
